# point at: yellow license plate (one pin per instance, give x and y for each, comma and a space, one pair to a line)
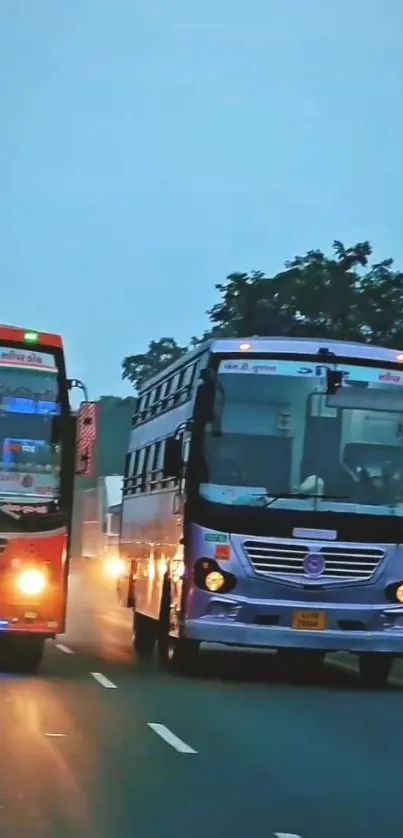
309, 620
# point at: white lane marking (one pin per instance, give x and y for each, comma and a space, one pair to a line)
64, 649
171, 739
286, 835
104, 681
54, 735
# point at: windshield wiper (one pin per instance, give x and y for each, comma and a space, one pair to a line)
8, 513
302, 496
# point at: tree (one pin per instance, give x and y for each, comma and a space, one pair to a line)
140, 368
342, 296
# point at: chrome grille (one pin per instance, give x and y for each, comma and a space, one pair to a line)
341, 562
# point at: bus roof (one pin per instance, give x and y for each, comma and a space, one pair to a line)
30, 337
280, 345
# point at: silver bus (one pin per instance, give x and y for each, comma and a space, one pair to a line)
263, 503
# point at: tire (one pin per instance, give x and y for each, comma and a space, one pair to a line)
144, 635
27, 654
178, 654
375, 669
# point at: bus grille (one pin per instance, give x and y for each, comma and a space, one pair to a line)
279, 559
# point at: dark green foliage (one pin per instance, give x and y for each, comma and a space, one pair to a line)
341, 296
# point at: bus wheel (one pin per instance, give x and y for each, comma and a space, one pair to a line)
375, 669
144, 635
27, 654
179, 654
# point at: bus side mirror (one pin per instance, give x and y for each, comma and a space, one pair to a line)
172, 465
86, 439
209, 402
205, 396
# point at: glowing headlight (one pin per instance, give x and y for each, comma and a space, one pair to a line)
31, 582
399, 593
114, 568
214, 581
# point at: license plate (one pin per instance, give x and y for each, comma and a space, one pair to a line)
309, 620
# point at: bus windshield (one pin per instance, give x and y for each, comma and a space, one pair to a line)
281, 442
29, 399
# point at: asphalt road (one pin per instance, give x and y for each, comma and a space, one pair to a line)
247, 752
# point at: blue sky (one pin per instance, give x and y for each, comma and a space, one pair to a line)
149, 149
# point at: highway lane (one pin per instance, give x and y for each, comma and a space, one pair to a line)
79, 757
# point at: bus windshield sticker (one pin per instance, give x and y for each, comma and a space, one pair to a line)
352, 374
234, 495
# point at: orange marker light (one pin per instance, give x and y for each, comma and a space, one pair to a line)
222, 552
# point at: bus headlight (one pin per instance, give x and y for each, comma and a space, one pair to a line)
214, 581
31, 582
114, 567
399, 593
209, 576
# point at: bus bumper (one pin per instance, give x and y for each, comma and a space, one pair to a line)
46, 630
386, 638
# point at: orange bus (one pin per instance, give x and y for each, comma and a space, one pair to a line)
43, 444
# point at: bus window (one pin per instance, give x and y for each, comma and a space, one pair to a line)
128, 482
138, 477
155, 401
165, 392
174, 390
156, 466
148, 458
188, 379
147, 406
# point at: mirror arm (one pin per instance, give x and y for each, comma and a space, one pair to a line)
75, 383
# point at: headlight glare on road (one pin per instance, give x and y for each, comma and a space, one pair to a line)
214, 581
31, 582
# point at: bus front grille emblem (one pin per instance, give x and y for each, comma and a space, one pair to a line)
314, 565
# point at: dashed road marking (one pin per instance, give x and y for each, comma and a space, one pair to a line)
64, 649
56, 735
286, 835
171, 739
104, 681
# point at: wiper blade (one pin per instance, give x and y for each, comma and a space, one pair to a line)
4, 509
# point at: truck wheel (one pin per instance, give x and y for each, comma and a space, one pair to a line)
144, 635
375, 669
27, 654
